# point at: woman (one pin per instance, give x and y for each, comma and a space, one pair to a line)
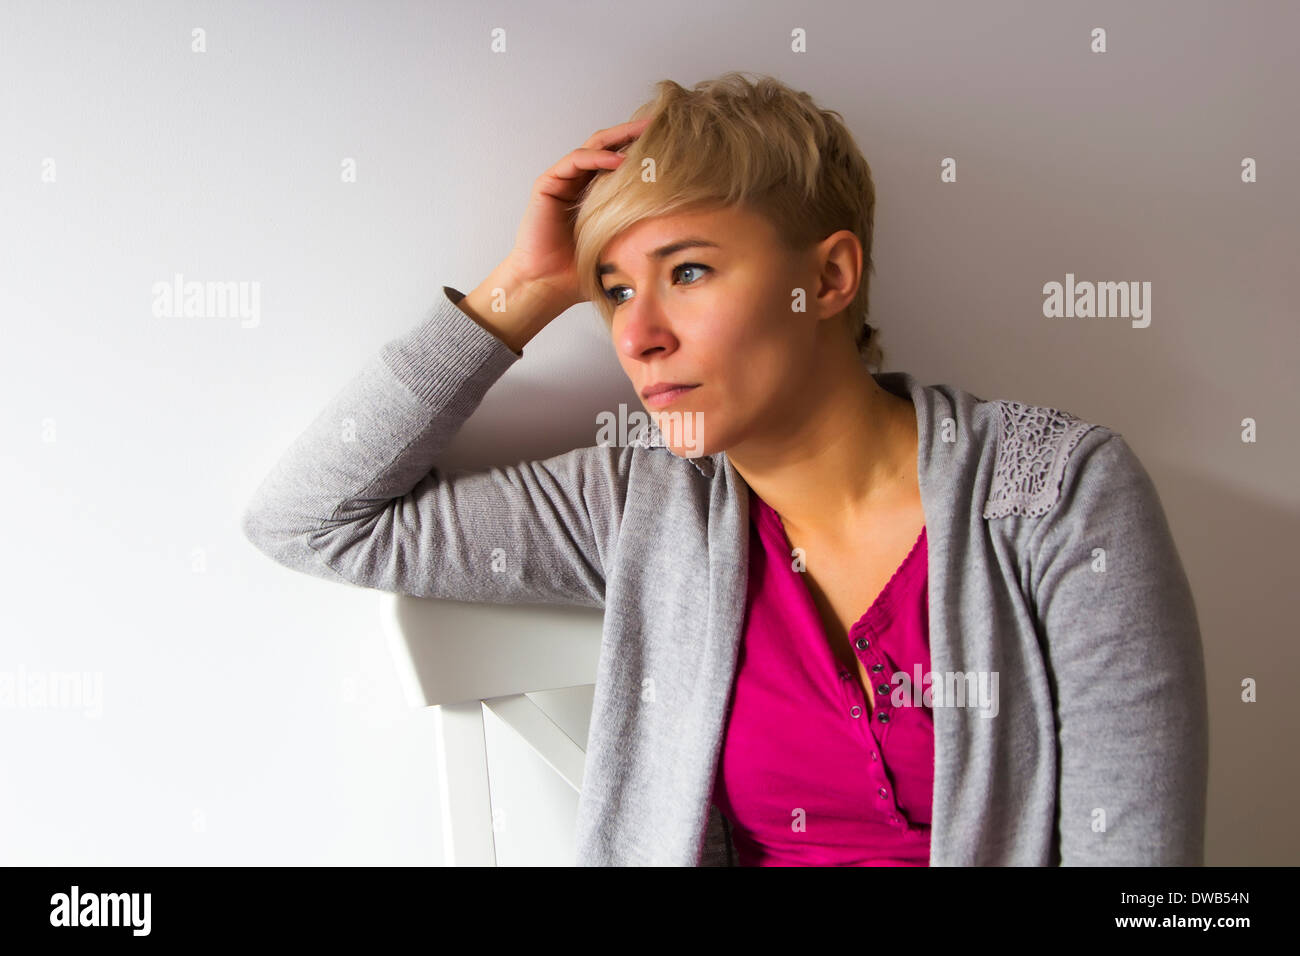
849, 618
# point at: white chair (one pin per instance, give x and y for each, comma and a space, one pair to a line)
512, 688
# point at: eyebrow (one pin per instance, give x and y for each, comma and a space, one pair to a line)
662, 252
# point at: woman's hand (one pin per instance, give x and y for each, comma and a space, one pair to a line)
544, 250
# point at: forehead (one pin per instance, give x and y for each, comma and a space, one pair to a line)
730, 228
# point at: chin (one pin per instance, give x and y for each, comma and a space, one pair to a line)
684, 433
699, 451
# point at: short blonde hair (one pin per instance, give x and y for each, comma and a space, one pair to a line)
732, 142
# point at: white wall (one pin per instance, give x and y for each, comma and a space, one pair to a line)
250, 714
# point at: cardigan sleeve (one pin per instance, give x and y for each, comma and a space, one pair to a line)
359, 496
1125, 657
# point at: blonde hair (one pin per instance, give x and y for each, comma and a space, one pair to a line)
731, 142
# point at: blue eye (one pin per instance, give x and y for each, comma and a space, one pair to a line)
610, 293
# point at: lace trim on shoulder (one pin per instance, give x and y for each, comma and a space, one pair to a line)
1033, 447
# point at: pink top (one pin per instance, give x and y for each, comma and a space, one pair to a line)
809, 775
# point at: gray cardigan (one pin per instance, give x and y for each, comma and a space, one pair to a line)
1051, 566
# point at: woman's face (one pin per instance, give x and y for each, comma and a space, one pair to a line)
716, 316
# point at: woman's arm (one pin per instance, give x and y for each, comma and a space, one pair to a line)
358, 496
1126, 662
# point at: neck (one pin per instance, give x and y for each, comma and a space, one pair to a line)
847, 450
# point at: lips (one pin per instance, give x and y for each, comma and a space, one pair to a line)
659, 397
663, 387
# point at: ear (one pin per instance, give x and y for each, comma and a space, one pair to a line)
839, 258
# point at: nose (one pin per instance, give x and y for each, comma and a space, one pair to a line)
641, 329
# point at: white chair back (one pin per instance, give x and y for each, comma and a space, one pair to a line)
512, 688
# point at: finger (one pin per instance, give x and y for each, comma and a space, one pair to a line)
567, 178
580, 163
623, 132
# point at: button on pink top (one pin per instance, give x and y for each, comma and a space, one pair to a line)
809, 775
